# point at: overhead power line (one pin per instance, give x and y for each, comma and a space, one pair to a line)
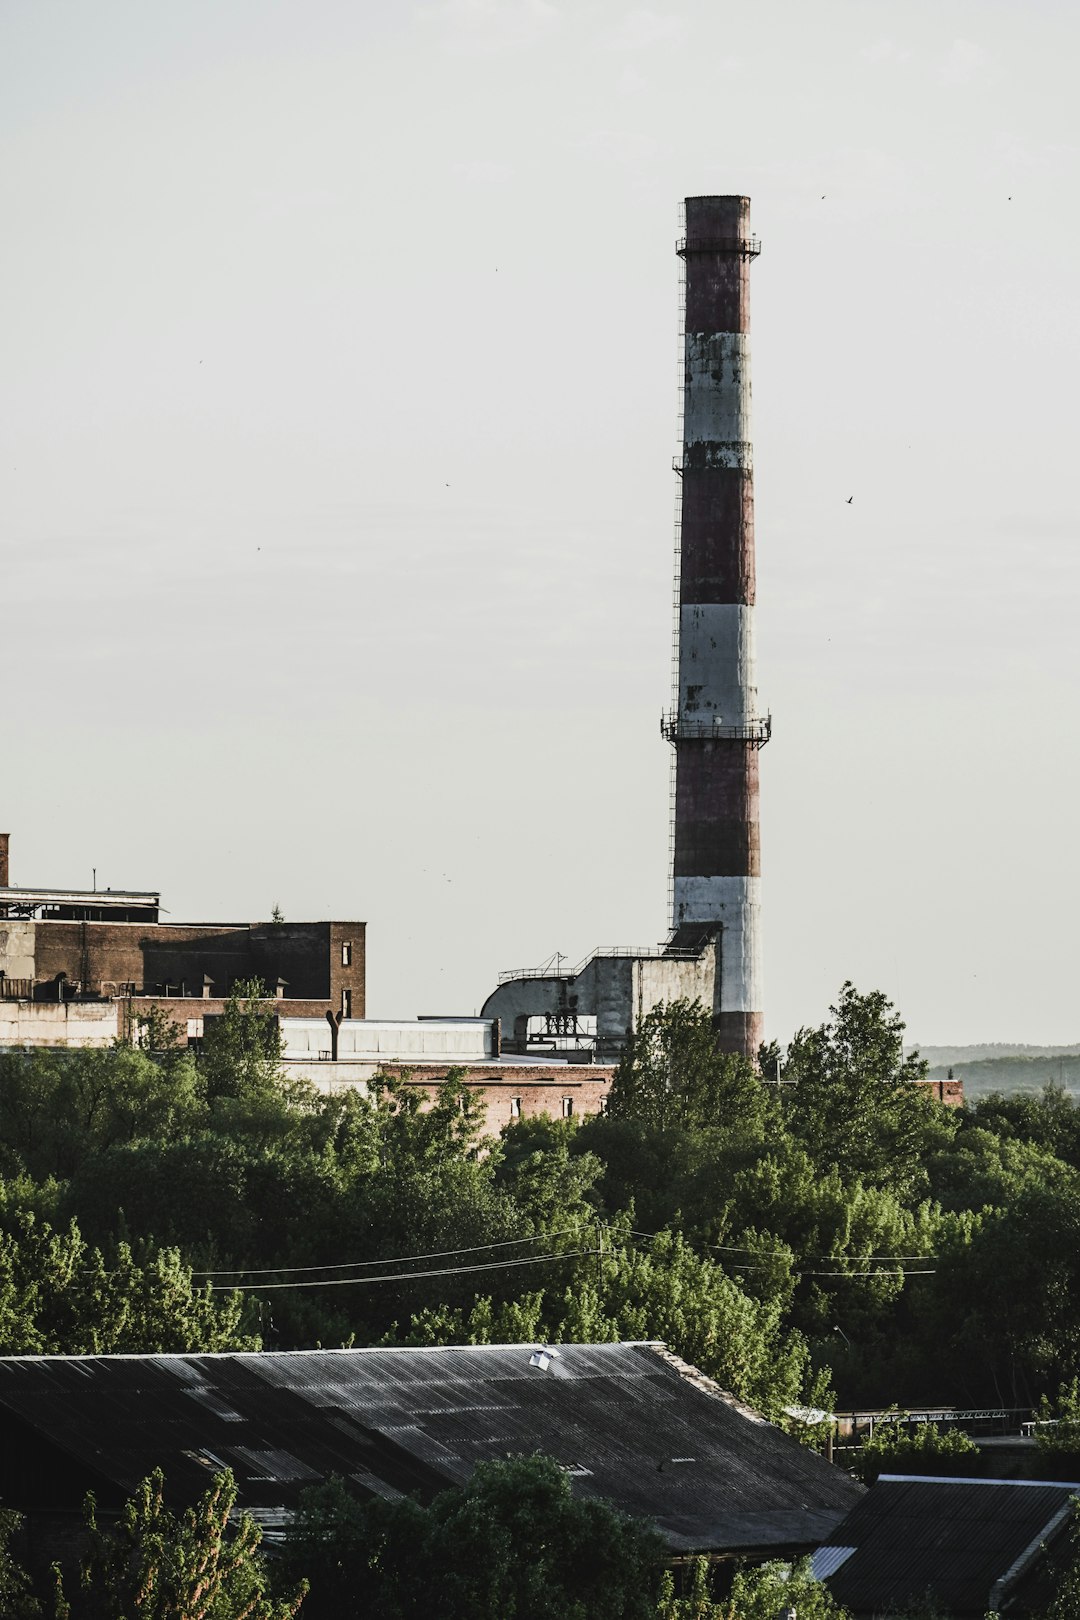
398, 1259
887, 1268
881, 1271
737, 1248
401, 1276
888, 1265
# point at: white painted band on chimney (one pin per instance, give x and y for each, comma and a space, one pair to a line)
734, 902
717, 667
716, 395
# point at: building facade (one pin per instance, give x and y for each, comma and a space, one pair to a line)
73, 948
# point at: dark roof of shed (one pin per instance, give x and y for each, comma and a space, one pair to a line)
952, 1538
628, 1422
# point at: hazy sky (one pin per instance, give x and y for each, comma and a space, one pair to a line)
339, 361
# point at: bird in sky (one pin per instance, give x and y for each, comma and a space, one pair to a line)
850, 499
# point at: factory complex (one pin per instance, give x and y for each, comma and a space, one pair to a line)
87, 968
715, 724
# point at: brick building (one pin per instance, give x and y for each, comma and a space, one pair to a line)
67, 947
423, 1052
81, 968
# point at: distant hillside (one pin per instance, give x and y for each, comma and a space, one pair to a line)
991, 1051
984, 1069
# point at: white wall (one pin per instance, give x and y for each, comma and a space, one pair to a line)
51, 1023
389, 1041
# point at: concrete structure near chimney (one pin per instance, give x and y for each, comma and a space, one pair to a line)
713, 954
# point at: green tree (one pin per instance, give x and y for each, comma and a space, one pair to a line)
553, 1185
164, 1566
1004, 1304
59, 1296
512, 1542
1057, 1431
58, 1109
851, 1096
765, 1592
683, 1118
896, 1446
695, 1600
17, 1600
1065, 1581
1049, 1119
672, 1073
241, 1065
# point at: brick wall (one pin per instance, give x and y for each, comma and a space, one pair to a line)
348, 939
586, 1086
949, 1092
308, 956
97, 953
184, 1010
311, 958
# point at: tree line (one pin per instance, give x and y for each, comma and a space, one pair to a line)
817, 1230
513, 1543
814, 1230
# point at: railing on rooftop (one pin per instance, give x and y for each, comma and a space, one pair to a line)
651, 953
979, 1420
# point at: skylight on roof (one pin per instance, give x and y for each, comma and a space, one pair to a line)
827, 1560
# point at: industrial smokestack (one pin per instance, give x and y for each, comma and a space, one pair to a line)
715, 727
5, 870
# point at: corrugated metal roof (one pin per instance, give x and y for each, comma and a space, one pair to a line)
627, 1421
952, 1538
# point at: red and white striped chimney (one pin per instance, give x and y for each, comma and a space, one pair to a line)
715, 727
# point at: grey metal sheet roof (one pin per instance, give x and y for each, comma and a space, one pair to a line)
952, 1538
627, 1421
103, 897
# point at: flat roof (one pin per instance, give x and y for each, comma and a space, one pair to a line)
97, 897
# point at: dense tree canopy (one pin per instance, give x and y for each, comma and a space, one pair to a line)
815, 1230
160, 1565
820, 1216
514, 1543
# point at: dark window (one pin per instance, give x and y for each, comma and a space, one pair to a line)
567, 1107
